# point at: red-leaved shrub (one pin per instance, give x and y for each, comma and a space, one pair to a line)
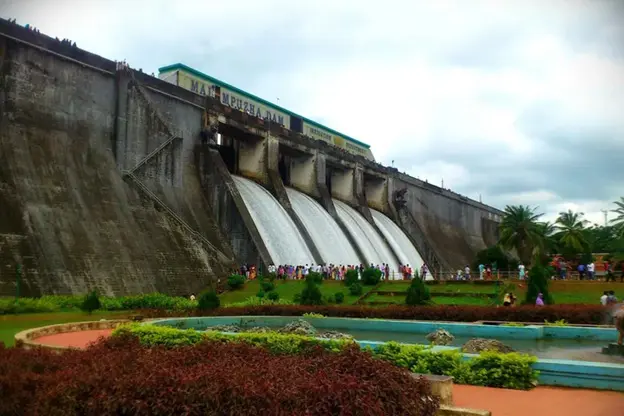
118, 376
573, 314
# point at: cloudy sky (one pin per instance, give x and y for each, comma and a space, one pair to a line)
513, 101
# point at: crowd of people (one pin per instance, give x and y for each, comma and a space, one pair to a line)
333, 271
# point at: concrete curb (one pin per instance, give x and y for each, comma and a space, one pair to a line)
27, 338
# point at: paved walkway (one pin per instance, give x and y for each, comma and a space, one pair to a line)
551, 401
80, 339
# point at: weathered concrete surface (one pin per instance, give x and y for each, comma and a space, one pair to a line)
67, 214
229, 210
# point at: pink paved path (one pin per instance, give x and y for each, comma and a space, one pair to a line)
79, 339
551, 401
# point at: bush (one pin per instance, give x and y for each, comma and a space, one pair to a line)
512, 371
260, 294
315, 278
310, 295
539, 277
339, 297
351, 277
256, 301
273, 296
488, 369
573, 314
371, 276
120, 376
267, 286
208, 301
29, 305
417, 293
356, 289
236, 281
91, 302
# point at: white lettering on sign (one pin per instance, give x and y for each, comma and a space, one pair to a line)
320, 134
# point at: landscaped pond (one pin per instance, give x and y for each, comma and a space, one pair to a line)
571, 343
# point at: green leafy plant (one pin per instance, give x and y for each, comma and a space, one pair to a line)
208, 300
273, 296
91, 302
539, 276
351, 277
267, 286
315, 278
356, 289
339, 297
310, 295
261, 294
516, 324
371, 276
236, 281
560, 322
417, 293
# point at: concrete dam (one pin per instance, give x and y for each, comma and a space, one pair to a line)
115, 180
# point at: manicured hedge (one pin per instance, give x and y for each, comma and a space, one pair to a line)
121, 377
573, 314
488, 369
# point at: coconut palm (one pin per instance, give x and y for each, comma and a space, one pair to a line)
520, 230
618, 222
545, 243
571, 233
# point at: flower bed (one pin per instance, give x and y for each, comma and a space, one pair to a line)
574, 314
119, 376
488, 369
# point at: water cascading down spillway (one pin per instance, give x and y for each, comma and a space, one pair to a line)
278, 231
327, 236
400, 243
370, 242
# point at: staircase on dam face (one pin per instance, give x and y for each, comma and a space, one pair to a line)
174, 135
141, 186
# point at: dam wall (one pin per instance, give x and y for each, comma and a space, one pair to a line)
98, 188
107, 181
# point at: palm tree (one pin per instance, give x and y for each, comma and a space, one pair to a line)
571, 234
545, 243
618, 222
520, 230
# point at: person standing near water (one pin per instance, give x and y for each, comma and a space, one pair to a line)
618, 316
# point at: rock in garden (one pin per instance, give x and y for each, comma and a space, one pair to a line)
440, 337
334, 335
298, 327
477, 345
224, 328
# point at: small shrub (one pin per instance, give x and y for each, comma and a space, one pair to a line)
236, 281
91, 302
560, 322
256, 301
356, 289
208, 301
351, 277
267, 286
273, 296
260, 294
339, 297
310, 295
371, 276
417, 293
314, 277
539, 276
329, 299
271, 277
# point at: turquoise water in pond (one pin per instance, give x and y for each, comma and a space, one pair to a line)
543, 348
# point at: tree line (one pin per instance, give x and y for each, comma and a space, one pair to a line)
571, 236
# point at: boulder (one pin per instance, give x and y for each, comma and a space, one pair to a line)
440, 337
334, 335
477, 345
298, 327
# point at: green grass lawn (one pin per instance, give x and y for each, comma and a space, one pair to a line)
12, 324
287, 290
